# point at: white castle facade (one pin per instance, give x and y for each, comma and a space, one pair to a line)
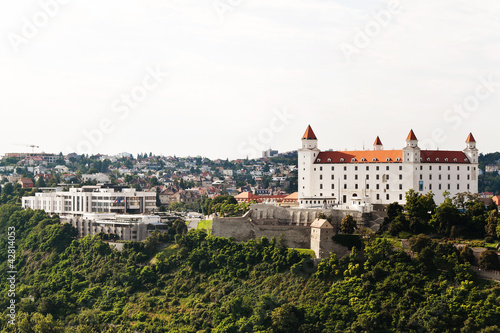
378, 176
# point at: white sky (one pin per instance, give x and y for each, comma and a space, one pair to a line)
230, 74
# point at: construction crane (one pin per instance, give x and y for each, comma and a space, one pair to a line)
31, 146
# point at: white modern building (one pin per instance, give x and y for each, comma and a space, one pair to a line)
378, 176
93, 199
125, 227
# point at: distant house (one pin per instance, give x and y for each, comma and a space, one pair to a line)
26, 183
98, 177
496, 199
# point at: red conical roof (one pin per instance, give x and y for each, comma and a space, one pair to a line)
470, 138
411, 136
377, 142
309, 134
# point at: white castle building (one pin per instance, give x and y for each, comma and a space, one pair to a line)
379, 176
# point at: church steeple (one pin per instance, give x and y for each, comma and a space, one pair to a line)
309, 134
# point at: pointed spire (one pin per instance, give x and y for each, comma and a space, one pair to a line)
309, 134
411, 136
377, 142
470, 138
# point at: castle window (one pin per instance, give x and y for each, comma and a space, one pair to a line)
356, 186
320, 186
333, 176
318, 160
430, 177
377, 168
437, 159
449, 187
400, 186
430, 186
333, 186
345, 186
353, 159
356, 177
387, 186
468, 186
458, 167
342, 159
449, 177
367, 176
329, 160
421, 167
430, 167
398, 159
377, 186
387, 196
428, 159
363, 159
458, 177
367, 186
374, 159
465, 160
468, 168
388, 159
378, 196
377, 177
400, 176
400, 197
320, 168
387, 168
333, 168
345, 177
454, 160
439, 176
355, 168
367, 168
458, 186
446, 159
345, 168
400, 167
439, 186
320, 177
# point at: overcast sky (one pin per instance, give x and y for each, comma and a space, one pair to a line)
89, 76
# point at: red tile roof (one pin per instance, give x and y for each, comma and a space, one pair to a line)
443, 156
389, 156
411, 136
470, 138
361, 156
309, 134
377, 142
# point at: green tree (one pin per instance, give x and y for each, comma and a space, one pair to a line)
491, 225
488, 260
348, 224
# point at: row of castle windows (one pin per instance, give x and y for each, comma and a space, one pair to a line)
400, 167
388, 159
387, 187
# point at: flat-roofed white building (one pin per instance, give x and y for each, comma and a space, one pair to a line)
125, 227
93, 199
379, 176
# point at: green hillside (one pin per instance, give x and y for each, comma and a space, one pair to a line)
209, 284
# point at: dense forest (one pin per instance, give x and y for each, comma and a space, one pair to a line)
201, 283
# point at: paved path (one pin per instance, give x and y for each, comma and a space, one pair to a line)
193, 223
